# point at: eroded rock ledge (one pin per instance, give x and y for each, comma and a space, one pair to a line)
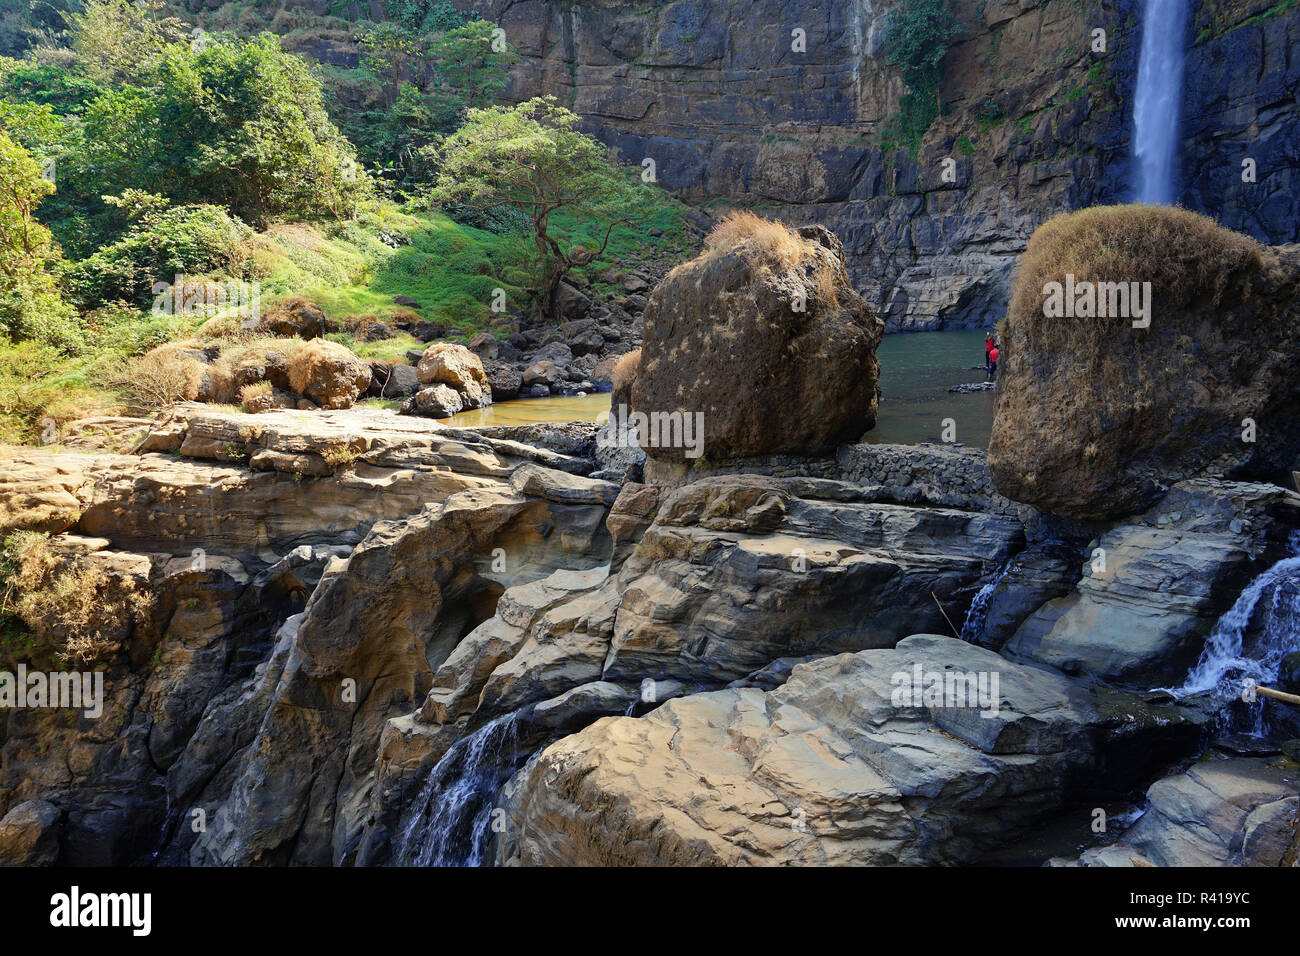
371, 659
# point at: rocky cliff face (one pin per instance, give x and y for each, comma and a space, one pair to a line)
457, 648
1034, 122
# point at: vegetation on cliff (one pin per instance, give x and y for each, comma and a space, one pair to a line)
917, 39
163, 183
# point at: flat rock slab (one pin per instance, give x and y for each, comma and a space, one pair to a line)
833, 767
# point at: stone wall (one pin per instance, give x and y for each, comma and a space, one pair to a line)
945, 475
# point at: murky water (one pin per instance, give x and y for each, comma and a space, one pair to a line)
916, 370
557, 408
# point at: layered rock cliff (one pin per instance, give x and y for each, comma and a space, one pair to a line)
1034, 119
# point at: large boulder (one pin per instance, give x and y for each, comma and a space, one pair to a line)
850, 761
504, 379
328, 373
1096, 416
434, 401
295, 317
392, 380
764, 336
29, 834
570, 303
1151, 590
446, 363
544, 373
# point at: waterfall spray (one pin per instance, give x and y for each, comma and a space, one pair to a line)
1229, 658
1158, 100
448, 824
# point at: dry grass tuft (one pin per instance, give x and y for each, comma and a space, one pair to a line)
255, 397
777, 248
80, 611
779, 245
1185, 256
1192, 263
625, 370
161, 376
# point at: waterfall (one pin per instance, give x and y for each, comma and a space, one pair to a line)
1232, 654
449, 822
972, 629
1158, 99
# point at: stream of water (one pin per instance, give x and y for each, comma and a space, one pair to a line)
1251, 638
449, 822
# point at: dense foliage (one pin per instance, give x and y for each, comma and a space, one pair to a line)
140, 152
916, 40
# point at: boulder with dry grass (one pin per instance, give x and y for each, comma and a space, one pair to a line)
294, 317
622, 376
328, 374
1099, 407
764, 336
257, 397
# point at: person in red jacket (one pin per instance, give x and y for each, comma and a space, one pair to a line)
993, 364
988, 347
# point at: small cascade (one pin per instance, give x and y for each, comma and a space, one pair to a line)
1158, 100
1235, 653
972, 629
449, 822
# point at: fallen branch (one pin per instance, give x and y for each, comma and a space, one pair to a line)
955, 632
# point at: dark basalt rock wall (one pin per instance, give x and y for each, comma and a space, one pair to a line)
1035, 123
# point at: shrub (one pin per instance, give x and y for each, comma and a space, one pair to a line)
30, 304
339, 456
161, 377
77, 609
185, 241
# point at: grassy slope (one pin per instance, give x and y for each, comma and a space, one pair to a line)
350, 271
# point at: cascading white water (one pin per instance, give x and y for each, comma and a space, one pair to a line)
972, 629
448, 824
1227, 660
1158, 100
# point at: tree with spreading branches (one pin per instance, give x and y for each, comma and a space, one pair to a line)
530, 158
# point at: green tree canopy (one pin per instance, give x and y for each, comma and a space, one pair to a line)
240, 124
917, 39
530, 158
30, 304
119, 41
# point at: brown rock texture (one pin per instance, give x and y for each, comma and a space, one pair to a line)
1095, 417
763, 341
329, 374
447, 363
